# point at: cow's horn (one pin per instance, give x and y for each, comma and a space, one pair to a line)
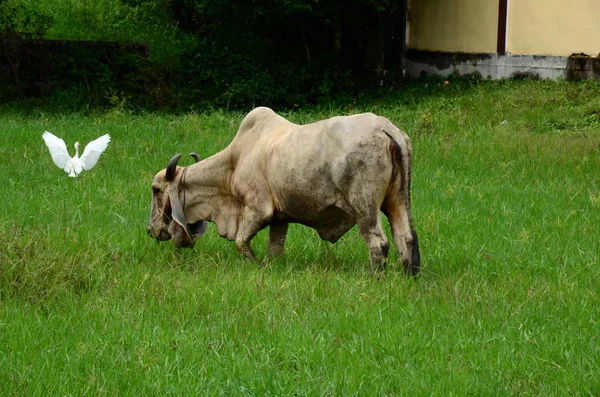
172, 167
195, 156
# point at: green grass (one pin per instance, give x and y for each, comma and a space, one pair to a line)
507, 302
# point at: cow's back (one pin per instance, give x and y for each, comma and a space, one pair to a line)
314, 171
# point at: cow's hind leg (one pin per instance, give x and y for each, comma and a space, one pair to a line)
372, 232
404, 236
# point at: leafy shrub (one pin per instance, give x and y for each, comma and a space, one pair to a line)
234, 54
19, 21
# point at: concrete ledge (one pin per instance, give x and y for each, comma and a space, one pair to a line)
494, 66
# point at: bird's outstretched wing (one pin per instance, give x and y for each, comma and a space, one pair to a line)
58, 149
92, 152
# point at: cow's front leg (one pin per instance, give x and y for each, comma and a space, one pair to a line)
277, 235
252, 223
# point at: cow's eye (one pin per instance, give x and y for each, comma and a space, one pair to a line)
155, 191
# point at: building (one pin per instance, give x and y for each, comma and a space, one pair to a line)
503, 38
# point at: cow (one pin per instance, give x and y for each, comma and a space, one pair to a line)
328, 175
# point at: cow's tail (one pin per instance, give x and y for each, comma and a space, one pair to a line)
402, 157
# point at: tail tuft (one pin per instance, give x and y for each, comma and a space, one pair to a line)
416, 254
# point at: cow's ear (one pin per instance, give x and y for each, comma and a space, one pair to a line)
167, 211
176, 207
177, 227
198, 229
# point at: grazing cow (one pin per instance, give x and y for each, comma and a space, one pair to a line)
329, 175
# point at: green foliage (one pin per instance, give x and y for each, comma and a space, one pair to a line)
90, 76
218, 77
219, 53
22, 21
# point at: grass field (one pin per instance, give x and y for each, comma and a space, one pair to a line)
506, 201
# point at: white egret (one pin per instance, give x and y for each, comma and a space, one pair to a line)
74, 166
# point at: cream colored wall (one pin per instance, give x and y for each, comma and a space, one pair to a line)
454, 25
553, 27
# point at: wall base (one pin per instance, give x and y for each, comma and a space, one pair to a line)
494, 66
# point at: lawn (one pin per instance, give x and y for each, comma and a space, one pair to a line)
506, 201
